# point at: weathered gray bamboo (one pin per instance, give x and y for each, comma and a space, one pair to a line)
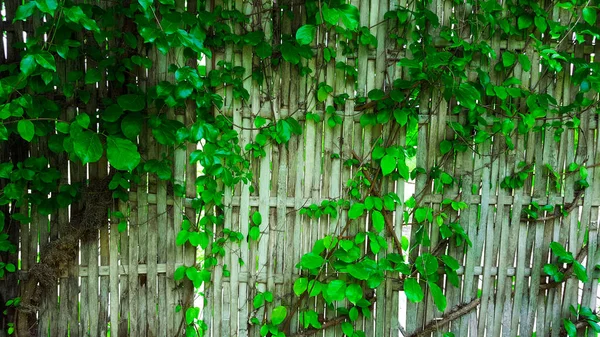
122, 278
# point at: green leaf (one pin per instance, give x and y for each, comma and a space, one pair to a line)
314, 288
524, 21
525, 62
570, 328
583, 172
413, 290
589, 15
47, 6
323, 93
131, 125
182, 237
438, 296
24, 11
357, 271
388, 164
300, 286
450, 262
258, 301
83, 120
179, 273
290, 53
263, 50
354, 293
3, 132
348, 329
378, 221
278, 315
445, 146
132, 102
331, 15
467, 95
145, 3
10, 268
376, 94
350, 16
259, 121
122, 153
595, 326
420, 214
47, 77
336, 290
26, 129
75, 14
191, 314
112, 113
356, 211
87, 146
580, 271
446, 178
426, 264
311, 261
257, 218
198, 239
184, 90
28, 64
254, 233
46, 60
122, 226
508, 59
540, 23
353, 314
306, 34
561, 253
93, 75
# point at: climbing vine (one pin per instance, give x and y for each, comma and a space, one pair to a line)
143, 55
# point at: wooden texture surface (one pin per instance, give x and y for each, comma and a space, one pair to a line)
123, 281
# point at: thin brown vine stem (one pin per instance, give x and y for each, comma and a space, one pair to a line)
452, 315
556, 216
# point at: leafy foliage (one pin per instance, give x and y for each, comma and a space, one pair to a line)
342, 269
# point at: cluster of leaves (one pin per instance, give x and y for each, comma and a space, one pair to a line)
111, 126
564, 257
582, 314
341, 270
278, 315
516, 110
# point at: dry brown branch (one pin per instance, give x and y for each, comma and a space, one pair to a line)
455, 313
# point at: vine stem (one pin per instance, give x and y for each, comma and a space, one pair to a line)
455, 313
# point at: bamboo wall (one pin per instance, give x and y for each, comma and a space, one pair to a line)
119, 282
118, 279
503, 290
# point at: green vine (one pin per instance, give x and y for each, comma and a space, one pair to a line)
47, 99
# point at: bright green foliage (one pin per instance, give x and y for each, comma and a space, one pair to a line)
342, 267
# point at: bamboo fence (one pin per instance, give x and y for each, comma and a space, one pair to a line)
123, 281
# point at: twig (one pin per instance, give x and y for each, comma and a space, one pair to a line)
455, 313
555, 216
